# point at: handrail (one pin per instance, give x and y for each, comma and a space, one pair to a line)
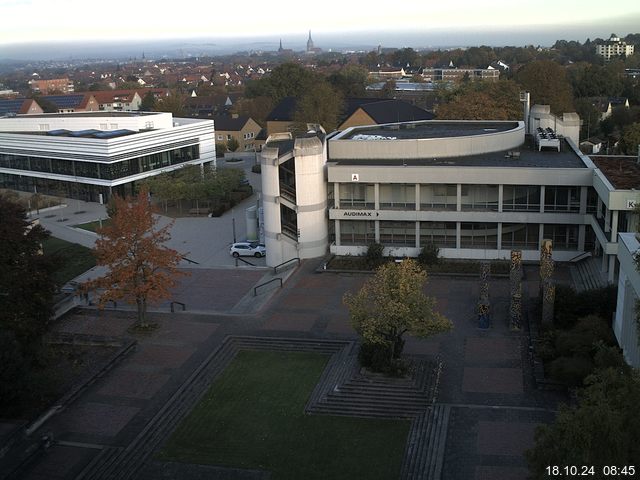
190, 261
275, 269
580, 257
255, 290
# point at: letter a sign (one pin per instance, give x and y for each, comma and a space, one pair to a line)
355, 177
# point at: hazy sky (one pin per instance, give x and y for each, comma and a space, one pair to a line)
30, 21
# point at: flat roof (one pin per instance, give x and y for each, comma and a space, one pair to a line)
427, 129
87, 114
623, 172
529, 157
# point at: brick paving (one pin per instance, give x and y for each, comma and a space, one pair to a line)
485, 381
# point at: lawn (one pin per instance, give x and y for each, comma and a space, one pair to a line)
71, 259
253, 417
93, 226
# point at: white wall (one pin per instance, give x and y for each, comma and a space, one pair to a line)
625, 326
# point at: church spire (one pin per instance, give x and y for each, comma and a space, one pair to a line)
309, 43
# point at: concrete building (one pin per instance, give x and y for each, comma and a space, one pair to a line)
625, 325
614, 47
475, 189
54, 85
243, 128
83, 155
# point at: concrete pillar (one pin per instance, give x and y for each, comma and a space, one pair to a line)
500, 236
542, 193
417, 196
540, 235
418, 234
614, 225
582, 233
336, 231
458, 230
376, 196
500, 200
336, 195
459, 198
612, 268
583, 200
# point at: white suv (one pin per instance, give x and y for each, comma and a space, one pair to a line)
248, 249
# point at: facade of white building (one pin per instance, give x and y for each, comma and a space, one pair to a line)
625, 324
614, 47
83, 155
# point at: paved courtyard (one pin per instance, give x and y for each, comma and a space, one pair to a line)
486, 378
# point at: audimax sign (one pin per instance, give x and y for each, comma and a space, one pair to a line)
360, 213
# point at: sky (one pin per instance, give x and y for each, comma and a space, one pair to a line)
34, 21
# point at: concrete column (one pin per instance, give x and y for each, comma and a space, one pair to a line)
417, 196
458, 229
542, 191
612, 268
459, 198
614, 225
376, 197
540, 235
418, 234
500, 233
583, 200
336, 231
500, 200
377, 230
582, 233
336, 195
599, 208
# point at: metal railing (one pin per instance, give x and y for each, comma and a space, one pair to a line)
579, 257
275, 269
255, 290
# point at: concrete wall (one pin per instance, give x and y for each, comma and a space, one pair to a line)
55, 121
624, 325
442, 147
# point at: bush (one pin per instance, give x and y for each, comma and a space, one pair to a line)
571, 370
570, 305
13, 366
429, 255
583, 338
256, 168
374, 257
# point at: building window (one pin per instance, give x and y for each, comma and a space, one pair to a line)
480, 197
357, 232
520, 198
479, 235
357, 195
438, 197
520, 235
440, 234
398, 196
592, 200
564, 237
229, 137
562, 199
220, 137
401, 234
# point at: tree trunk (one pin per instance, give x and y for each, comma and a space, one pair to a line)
141, 303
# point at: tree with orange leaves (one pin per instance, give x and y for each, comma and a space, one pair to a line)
141, 269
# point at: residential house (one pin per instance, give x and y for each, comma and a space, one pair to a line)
243, 128
80, 102
118, 100
375, 111
54, 85
19, 106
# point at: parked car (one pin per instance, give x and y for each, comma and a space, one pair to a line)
248, 249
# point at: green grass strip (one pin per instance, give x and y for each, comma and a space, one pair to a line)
253, 417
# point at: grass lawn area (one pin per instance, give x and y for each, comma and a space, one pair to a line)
253, 417
72, 259
93, 226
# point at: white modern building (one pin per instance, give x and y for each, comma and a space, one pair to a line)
83, 155
625, 324
474, 189
614, 47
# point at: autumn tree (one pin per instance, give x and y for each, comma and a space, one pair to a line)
140, 269
630, 141
26, 278
548, 84
482, 101
320, 104
391, 304
174, 104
